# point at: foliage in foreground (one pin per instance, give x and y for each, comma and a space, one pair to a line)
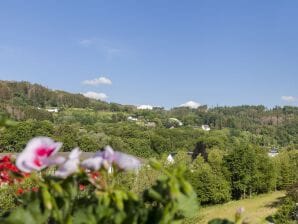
288, 211
85, 192
61, 201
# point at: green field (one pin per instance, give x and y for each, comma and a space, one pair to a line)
256, 208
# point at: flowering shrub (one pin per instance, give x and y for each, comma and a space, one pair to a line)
81, 192
9, 173
10, 191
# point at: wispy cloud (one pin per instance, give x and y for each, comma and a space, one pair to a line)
98, 81
112, 52
96, 96
108, 49
191, 104
86, 42
289, 99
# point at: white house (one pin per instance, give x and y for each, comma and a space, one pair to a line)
53, 110
170, 159
206, 127
145, 107
130, 118
273, 152
176, 120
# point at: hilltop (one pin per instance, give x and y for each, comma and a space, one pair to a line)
22, 101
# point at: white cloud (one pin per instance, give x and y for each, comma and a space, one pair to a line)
98, 81
86, 42
145, 107
96, 96
108, 49
289, 99
191, 104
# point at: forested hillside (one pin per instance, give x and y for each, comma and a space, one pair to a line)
22, 100
229, 161
147, 130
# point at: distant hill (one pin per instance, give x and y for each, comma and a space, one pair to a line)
25, 93
22, 99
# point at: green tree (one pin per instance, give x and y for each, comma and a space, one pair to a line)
241, 162
210, 187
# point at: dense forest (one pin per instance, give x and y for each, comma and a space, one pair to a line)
228, 162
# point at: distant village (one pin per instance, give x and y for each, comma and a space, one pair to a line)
199, 150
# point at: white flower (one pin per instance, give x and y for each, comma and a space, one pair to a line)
55, 160
38, 153
126, 162
93, 163
107, 154
108, 157
71, 165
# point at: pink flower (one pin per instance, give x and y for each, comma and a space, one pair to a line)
71, 165
239, 213
240, 210
38, 154
82, 187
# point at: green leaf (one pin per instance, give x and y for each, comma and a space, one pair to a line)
188, 205
46, 197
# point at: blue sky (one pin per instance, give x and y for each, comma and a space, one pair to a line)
156, 52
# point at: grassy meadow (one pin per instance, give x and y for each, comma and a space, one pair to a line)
256, 209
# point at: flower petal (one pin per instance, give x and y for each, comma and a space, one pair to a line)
57, 160
21, 164
106, 154
93, 163
68, 168
75, 153
71, 165
43, 146
126, 162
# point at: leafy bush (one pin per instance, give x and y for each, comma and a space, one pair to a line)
7, 199
59, 201
288, 211
210, 187
86, 192
10, 194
